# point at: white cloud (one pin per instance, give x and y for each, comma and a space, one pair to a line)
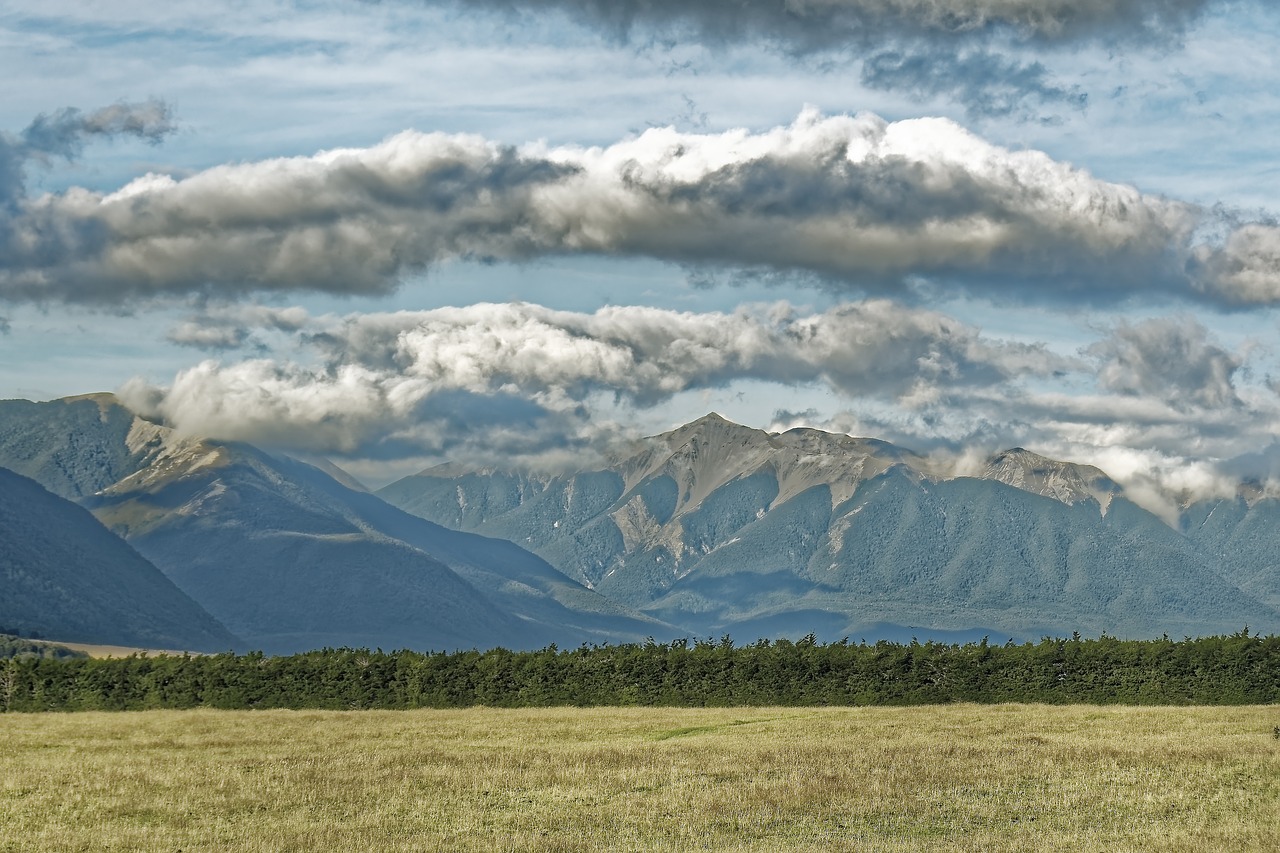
383, 376
861, 202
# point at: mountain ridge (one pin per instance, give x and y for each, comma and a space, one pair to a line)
719, 525
290, 557
64, 575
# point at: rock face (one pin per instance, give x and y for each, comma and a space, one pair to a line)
64, 575
288, 557
722, 528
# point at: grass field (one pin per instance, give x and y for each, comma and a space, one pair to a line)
965, 777
99, 651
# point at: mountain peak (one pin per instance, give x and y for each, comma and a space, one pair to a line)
1066, 482
711, 428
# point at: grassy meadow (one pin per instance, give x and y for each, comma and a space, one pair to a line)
956, 777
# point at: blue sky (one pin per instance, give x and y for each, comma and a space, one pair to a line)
1081, 258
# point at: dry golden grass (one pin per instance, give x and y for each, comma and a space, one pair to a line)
966, 777
99, 651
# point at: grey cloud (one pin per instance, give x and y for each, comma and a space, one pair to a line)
923, 48
205, 336
528, 383
1163, 457
232, 326
1168, 359
64, 133
1245, 270
5, 326
864, 204
648, 354
986, 83
342, 221
809, 25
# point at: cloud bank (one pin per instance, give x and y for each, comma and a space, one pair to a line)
1156, 403
866, 205
383, 378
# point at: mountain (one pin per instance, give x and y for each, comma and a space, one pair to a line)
65, 576
1242, 536
74, 447
722, 528
288, 557
711, 528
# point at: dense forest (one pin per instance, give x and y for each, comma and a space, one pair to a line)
1236, 669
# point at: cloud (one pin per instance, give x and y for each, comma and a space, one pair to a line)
808, 25
922, 48
866, 205
231, 326
1168, 359
1164, 459
1157, 403
64, 133
382, 377
208, 337
1246, 270
989, 85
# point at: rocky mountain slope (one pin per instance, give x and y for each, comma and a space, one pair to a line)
64, 575
722, 528
288, 557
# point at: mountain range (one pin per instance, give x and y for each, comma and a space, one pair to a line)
287, 557
709, 529
735, 530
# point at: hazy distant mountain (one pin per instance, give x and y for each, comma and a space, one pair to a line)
288, 557
66, 577
720, 527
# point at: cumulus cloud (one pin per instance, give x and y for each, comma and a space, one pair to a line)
381, 377
1157, 403
862, 203
1168, 359
1163, 463
1244, 271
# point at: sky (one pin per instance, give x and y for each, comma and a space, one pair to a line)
526, 231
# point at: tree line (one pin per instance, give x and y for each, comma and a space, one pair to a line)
1221, 670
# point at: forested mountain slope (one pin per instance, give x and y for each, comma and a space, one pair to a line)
288, 557
64, 576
